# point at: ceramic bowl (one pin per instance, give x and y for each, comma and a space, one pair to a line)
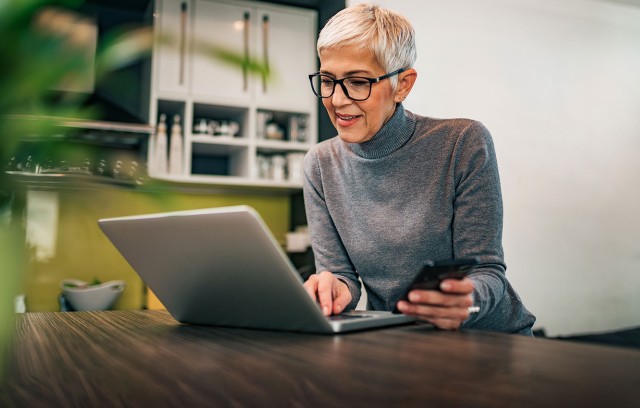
83, 297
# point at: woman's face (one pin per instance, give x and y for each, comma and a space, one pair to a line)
357, 122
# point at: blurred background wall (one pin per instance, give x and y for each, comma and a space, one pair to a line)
558, 85
66, 242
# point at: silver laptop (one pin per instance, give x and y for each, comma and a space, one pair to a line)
223, 267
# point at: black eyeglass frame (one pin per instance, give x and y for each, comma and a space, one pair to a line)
344, 88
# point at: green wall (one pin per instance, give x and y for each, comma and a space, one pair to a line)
83, 252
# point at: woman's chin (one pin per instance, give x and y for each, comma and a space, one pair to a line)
349, 136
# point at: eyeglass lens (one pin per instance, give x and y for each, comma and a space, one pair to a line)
356, 88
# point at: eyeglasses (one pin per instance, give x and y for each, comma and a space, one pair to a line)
355, 88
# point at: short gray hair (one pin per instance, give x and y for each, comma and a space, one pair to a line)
387, 34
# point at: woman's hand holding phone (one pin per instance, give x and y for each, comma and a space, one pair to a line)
441, 294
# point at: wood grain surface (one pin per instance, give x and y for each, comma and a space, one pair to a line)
147, 359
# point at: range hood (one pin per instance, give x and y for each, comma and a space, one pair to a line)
117, 98
110, 116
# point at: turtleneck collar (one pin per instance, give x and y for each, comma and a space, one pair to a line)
392, 136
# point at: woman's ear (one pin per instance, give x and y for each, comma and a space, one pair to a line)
406, 80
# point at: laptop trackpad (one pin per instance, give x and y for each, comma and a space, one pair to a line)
349, 316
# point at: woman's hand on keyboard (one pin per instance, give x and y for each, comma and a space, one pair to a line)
332, 293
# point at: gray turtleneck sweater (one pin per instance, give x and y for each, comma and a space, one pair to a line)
420, 189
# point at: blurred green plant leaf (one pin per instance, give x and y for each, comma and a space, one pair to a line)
40, 50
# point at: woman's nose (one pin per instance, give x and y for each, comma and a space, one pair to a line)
339, 96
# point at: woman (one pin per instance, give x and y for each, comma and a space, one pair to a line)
395, 189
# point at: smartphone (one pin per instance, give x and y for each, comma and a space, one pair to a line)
434, 272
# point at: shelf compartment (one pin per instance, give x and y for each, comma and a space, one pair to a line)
170, 109
220, 159
280, 166
282, 126
225, 119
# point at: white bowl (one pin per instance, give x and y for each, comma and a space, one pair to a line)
83, 297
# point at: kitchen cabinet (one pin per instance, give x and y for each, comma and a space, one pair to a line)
237, 128
228, 26
291, 57
171, 50
281, 38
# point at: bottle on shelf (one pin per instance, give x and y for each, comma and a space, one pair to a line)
161, 145
278, 163
175, 152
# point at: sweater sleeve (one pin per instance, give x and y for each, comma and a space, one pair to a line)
328, 249
477, 231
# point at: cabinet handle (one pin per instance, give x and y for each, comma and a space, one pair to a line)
265, 50
247, 17
183, 38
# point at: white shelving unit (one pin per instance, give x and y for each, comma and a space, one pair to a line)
200, 88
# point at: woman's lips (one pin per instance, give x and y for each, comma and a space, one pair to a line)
346, 120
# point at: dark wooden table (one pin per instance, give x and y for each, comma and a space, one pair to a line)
147, 359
